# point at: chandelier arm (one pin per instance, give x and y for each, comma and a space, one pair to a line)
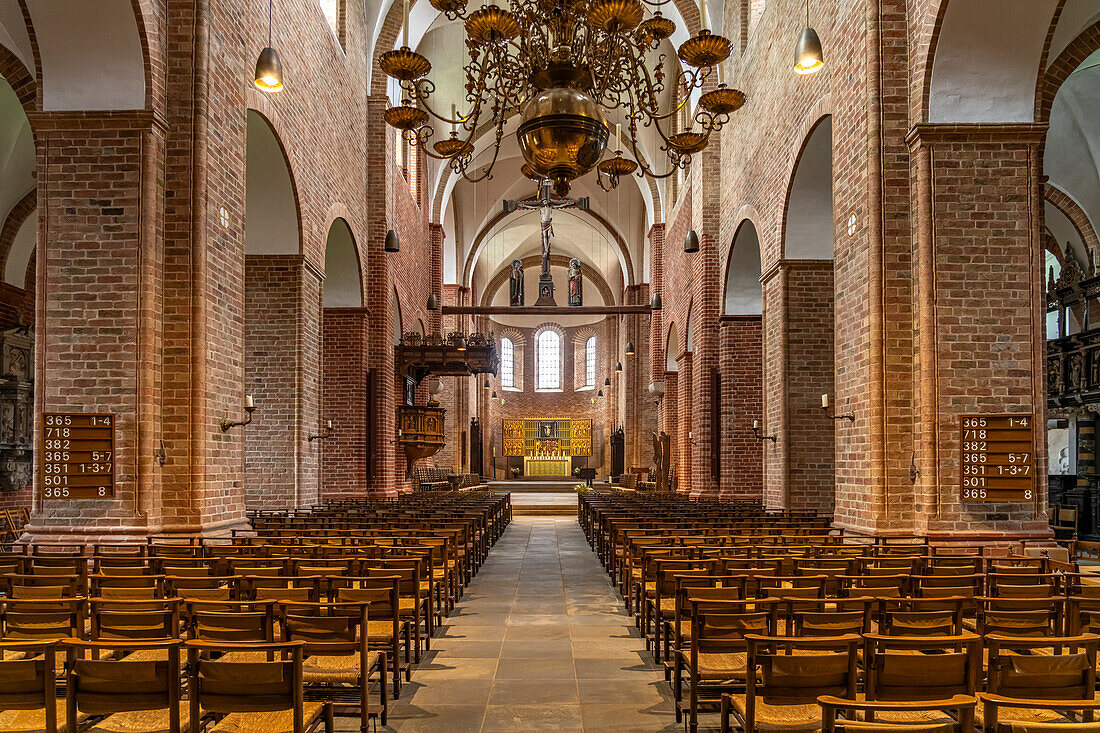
496, 151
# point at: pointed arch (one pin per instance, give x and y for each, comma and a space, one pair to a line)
672, 349
743, 294
808, 213
343, 286
273, 221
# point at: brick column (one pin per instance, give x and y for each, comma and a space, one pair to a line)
773, 285
742, 454
685, 399
98, 345
669, 418
436, 236
980, 309
707, 296
657, 362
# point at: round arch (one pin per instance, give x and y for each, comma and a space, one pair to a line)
273, 221
395, 308
808, 212
482, 238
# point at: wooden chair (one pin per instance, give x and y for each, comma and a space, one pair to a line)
785, 678
28, 688
335, 651
1026, 690
385, 628
718, 658
254, 696
914, 681
139, 692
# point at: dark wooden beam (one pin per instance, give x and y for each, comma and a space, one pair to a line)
546, 310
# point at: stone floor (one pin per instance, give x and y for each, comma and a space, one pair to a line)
540, 642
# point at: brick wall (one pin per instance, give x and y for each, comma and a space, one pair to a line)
344, 463
742, 454
568, 403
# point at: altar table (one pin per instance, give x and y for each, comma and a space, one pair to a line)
547, 466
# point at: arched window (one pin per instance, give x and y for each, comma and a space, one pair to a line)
507, 364
590, 362
335, 15
548, 352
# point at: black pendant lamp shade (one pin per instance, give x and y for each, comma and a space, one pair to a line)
433, 302
808, 56
630, 348
655, 302
269, 69
393, 244
691, 242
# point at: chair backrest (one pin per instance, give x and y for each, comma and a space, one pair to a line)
382, 593
944, 666
1069, 673
827, 617
797, 671
29, 683
327, 628
921, 616
134, 620
103, 687
721, 632
232, 622
224, 687
39, 620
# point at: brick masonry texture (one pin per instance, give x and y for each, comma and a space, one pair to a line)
145, 304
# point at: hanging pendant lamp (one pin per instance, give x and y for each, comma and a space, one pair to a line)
393, 242
630, 348
269, 69
618, 366
808, 55
433, 302
655, 302
691, 242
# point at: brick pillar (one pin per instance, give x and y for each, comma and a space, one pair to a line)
99, 342
669, 419
344, 457
706, 307
657, 362
773, 285
742, 454
436, 236
639, 419
380, 350
684, 437
980, 311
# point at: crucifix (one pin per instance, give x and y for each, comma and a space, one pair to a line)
546, 204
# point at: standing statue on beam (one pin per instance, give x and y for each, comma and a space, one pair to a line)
576, 280
546, 204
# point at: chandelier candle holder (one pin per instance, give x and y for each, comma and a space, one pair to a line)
564, 66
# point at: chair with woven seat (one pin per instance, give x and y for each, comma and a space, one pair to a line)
386, 628
717, 656
661, 605
1027, 691
33, 619
135, 690
251, 696
28, 688
913, 682
120, 621
204, 587
282, 588
336, 652
785, 677
942, 616
412, 604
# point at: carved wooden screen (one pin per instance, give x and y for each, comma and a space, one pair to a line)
513, 434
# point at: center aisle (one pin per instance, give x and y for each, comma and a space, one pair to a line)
540, 642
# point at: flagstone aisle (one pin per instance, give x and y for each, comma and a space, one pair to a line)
540, 642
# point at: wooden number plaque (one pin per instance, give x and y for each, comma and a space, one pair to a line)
997, 458
77, 459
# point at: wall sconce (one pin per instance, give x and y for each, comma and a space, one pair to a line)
161, 453
825, 406
756, 432
327, 434
657, 389
249, 407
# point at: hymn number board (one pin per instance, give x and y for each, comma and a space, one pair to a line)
77, 457
998, 457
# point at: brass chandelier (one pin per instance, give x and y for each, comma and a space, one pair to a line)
562, 65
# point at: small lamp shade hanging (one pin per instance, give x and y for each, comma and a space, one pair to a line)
269, 69
393, 244
618, 366
460, 344
433, 302
607, 382
655, 302
493, 395
808, 56
691, 242
600, 393
487, 385
630, 348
